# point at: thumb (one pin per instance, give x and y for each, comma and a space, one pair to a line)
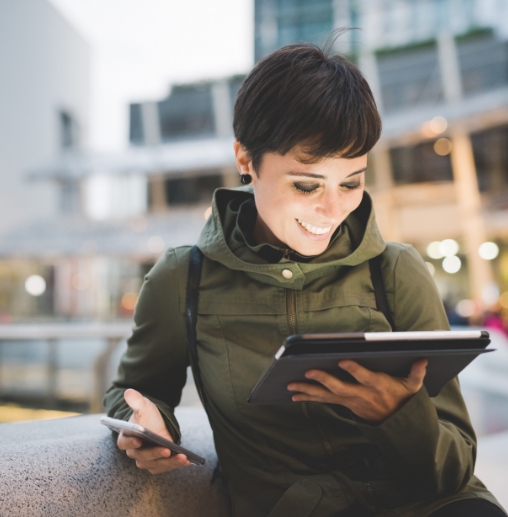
135, 400
417, 374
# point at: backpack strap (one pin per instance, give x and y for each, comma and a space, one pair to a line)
379, 289
191, 315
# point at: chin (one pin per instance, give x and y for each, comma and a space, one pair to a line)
310, 250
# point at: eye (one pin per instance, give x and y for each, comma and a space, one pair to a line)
305, 188
351, 186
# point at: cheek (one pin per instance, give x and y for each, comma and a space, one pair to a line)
353, 200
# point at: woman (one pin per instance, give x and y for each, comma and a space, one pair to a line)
290, 254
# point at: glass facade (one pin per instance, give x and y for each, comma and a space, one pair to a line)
409, 77
483, 62
187, 112
283, 22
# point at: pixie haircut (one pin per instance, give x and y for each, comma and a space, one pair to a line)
302, 95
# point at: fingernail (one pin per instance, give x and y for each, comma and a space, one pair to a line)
291, 387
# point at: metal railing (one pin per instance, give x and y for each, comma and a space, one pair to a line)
112, 333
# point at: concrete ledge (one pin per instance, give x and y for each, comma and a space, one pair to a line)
71, 468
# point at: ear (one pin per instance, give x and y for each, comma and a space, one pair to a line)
243, 160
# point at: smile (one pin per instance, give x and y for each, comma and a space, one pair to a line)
316, 230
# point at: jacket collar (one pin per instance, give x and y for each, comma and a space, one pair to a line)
222, 240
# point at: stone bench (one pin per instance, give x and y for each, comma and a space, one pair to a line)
71, 468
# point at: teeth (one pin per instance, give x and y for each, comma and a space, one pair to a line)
314, 229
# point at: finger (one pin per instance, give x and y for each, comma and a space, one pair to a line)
160, 468
164, 464
135, 401
329, 381
128, 442
360, 373
307, 391
149, 454
417, 374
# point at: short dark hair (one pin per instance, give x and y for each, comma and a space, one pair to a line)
300, 95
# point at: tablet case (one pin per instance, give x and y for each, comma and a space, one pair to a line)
443, 365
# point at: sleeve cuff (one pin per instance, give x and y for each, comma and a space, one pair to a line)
415, 422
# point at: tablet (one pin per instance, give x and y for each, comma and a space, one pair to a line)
447, 352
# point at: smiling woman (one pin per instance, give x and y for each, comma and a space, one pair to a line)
300, 205
294, 252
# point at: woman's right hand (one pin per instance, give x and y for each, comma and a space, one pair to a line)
154, 459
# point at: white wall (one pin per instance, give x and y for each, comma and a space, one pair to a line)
44, 67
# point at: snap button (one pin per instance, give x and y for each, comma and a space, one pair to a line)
287, 273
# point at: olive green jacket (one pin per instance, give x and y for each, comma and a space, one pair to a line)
301, 459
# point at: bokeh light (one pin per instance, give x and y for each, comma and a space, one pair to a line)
433, 250
443, 146
490, 293
438, 125
465, 308
448, 248
128, 301
488, 250
452, 264
35, 285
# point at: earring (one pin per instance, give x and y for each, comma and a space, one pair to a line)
245, 179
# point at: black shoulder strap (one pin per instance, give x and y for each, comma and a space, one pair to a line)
191, 314
379, 289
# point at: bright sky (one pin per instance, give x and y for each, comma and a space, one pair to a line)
139, 47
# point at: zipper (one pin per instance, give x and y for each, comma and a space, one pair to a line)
292, 324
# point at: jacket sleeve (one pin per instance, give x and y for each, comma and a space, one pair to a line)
156, 360
429, 444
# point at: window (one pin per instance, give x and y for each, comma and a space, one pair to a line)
136, 133
420, 164
490, 148
68, 130
187, 112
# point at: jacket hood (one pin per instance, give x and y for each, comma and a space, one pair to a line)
356, 241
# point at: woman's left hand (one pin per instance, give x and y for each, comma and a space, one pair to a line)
376, 396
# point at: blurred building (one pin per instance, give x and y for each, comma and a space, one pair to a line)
439, 72
134, 204
44, 95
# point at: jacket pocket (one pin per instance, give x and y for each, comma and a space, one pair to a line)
299, 500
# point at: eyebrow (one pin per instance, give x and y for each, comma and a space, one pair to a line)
320, 176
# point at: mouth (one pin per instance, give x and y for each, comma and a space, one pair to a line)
316, 231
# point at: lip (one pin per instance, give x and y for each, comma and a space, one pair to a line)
313, 236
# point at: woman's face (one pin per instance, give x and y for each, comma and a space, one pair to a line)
300, 205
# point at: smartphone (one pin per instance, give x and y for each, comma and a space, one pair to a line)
148, 438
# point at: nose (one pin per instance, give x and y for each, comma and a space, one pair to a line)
330, 206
